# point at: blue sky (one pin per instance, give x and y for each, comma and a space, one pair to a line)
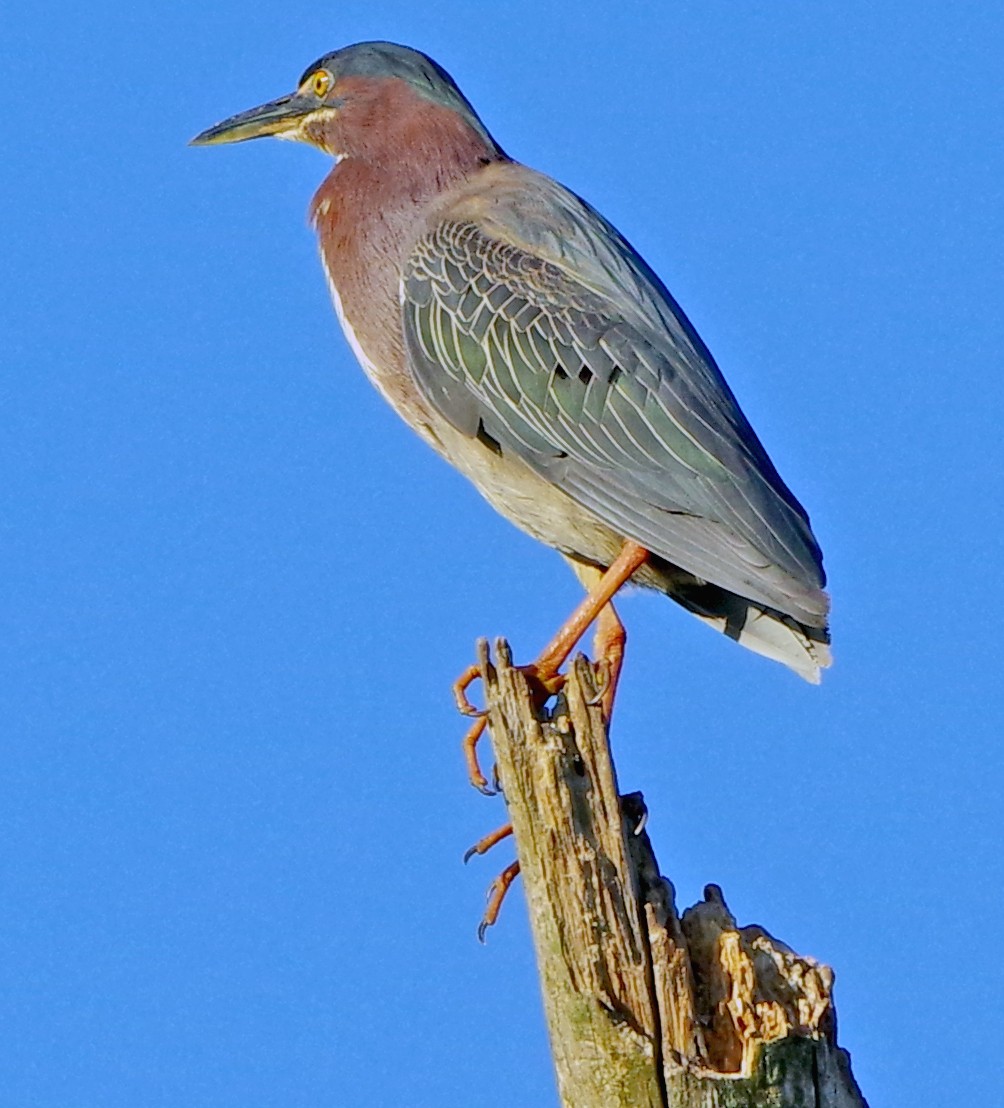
235, 589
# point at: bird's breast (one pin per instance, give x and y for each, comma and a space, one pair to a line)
381, 372
362, 262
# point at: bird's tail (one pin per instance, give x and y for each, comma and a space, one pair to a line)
799, 646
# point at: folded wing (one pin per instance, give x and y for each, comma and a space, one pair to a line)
533, 322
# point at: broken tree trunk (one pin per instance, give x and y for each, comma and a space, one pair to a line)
646, 1009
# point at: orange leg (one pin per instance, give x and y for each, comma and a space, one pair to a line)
496, 894
610, 637
631, 558
608, 646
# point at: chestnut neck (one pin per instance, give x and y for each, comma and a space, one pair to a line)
403, 148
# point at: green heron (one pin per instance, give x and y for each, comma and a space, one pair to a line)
529, 344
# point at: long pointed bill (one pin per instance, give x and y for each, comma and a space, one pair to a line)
274, 118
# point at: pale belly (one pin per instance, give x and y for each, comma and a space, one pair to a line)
531, 503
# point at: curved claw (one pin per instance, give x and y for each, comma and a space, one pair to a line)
496, 894
482, 846
602, 671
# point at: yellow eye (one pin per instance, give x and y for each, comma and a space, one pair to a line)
320, 83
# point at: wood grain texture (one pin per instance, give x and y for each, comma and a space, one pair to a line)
644, 1007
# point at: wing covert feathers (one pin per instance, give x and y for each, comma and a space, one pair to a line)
531, 321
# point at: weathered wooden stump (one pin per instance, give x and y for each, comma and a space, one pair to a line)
645, 1007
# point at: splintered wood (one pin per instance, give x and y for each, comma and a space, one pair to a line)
751, 989
645, 1007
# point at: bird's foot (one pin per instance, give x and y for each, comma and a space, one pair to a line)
500, 886
482, 846
460, 687
544, 686
496, 894
474, 774
544, 681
